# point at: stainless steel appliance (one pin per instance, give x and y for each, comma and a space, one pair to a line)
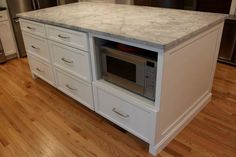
19, 6
135, 71
2, 54
177, 4
228, 43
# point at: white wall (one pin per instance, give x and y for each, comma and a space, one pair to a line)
233, 7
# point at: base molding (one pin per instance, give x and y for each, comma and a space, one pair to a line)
155, 149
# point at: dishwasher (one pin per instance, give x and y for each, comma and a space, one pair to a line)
2, 54
227, 52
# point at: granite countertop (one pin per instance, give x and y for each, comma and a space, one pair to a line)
159, 27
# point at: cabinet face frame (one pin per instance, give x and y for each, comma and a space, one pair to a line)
95, 61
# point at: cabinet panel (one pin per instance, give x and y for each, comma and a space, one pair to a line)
7, 38
71, 60
125, 114
68, 37
41, 69
77, 89
3, 16
33, 27
36, 46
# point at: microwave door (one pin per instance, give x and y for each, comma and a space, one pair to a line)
123, 73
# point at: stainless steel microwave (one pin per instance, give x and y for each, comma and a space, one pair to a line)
134, 72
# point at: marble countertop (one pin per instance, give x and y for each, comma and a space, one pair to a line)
162, 28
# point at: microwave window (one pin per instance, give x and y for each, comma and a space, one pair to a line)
121, 68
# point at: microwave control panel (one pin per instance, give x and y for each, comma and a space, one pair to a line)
150, 79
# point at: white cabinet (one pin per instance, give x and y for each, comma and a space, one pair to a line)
74, 87
36, 46
6, 34
41, 69
3, 16
183, 86
125, 113
59, 57
71, 60
68, 37
33, 28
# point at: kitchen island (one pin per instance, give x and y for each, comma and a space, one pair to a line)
64, 49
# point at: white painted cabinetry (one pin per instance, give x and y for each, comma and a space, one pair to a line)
6, 34
70, 61
41, 69
60, 57
36, 46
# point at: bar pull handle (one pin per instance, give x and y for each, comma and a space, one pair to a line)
67, 61
63, 37
39, 70
16, 20
31, 28
69, 87
34, 47
120, 114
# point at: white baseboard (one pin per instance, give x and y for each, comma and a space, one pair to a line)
180, 124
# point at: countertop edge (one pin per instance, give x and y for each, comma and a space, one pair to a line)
165, 47
193, 34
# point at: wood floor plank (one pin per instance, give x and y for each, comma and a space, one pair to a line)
36, 120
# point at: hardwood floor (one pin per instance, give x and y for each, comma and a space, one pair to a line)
36, 120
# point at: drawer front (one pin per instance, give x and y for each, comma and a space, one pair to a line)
3, 15
124, 114
71, 60
36, 46
33, 27
41, 69
69, 37
77, 89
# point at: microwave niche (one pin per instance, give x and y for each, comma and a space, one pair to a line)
131, 68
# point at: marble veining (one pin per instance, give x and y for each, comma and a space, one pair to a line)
162, 28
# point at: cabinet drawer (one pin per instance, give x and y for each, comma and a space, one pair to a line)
36, 46
33, 27
71, 60
3, 15
69, 37
132, 118
77, 89
41, 69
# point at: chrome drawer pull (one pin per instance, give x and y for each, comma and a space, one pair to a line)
34, 47
63, 37
69, 87
120, 114
31, 28
39, 70
65, 60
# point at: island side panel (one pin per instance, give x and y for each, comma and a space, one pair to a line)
188, 72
